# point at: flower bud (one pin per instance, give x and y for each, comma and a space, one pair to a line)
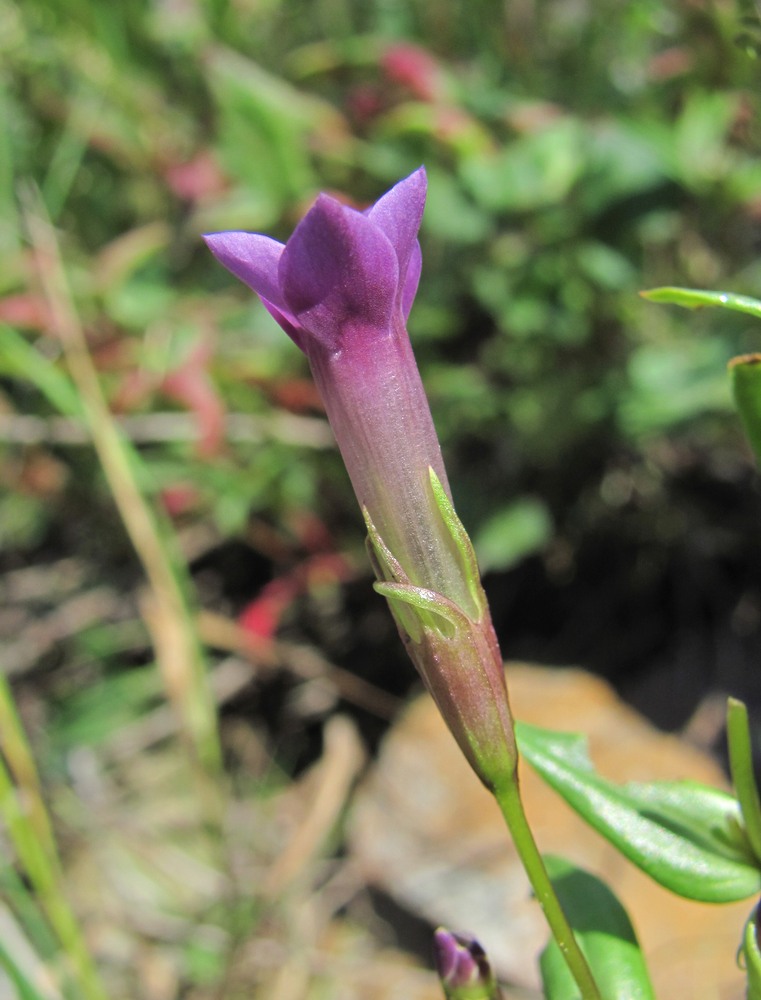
463, 967
342, 288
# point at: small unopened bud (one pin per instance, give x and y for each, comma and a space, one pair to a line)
463, 967
751, 954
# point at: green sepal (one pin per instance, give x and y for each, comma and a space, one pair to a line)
751, 954
741, 768
416, 609
696, 298
385, 565
604, 933
476, 991
686, 836
431, 610
388, 569
462, 543
745, 376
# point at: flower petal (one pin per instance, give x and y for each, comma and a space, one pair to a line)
252, 258
338, 271
411, 279
399, 213
289, 323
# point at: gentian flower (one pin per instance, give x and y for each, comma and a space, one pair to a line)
342, 288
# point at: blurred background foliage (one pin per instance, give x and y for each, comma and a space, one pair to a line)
577, 152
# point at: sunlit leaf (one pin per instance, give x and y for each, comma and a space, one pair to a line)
605, 935
686, 836
696, 298
512, 533
20, 359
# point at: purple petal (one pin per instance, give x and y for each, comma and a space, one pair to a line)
460, 960
255, 260
399, 213
338, 270
252, 258
289, 323
411, 279
446, 951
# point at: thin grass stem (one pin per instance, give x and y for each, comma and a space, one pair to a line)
39, 859
168, 611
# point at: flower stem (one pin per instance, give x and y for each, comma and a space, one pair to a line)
511, 804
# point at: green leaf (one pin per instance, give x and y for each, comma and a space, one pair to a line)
745, 376
90, 715
605, 935
668, 385
741, 768
21, 978
513, 532
700, 153
20, 359
532, 172
695, 298
264, 126
686, 836
744, 371
450, 215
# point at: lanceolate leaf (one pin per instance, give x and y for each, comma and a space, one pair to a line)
742, 771
605, 935
686, 836
20, 359
744, 371
696, 298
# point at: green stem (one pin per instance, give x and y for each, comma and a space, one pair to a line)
511, 804
741, 768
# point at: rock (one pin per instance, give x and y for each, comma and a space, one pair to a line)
426, 832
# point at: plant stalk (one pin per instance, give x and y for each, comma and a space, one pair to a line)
511, 804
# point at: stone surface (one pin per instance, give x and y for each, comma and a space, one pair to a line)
427, 833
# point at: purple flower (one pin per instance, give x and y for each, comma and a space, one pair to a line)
342, 288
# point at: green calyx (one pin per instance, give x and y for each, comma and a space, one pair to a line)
462, 543
475, 991
418, 609
429, 611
